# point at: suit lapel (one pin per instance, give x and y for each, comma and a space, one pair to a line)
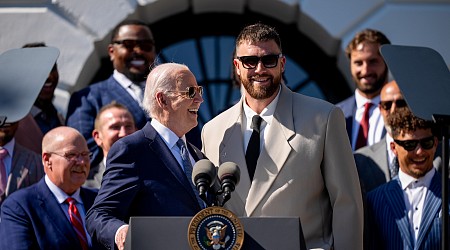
431, 208
19, 170
394, 196
381, 157
120, 94
52, 209
232, 149
159, 147
275, 152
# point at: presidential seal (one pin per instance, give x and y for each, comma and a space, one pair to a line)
215, 228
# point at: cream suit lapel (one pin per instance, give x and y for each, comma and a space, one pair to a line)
232, 150
275, 152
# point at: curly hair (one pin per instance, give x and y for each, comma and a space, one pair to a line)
402, 120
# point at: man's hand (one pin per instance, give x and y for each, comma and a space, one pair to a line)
120, 237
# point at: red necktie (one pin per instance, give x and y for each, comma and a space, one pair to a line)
363, 132
77, 223
3, 178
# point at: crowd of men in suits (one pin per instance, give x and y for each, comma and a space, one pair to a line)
129, 143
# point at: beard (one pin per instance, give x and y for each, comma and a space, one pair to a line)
137, 77
261, 92
373, 88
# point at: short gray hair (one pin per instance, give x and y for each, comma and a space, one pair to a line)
162, 78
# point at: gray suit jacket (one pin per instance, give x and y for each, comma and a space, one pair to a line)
26, 169
95, 176
305, 169
373, 166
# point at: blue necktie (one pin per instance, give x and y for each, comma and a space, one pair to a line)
188, 168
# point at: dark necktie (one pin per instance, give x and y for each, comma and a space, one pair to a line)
77, 223
187, 166
363, 132
393, 167
252, 153
3, 178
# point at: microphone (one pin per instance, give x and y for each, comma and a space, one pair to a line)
229, 176
203, 176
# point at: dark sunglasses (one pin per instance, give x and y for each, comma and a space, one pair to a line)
386, 105
410, 145
145, 45
190, 91
250, 62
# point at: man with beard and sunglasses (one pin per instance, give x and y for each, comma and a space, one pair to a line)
406, 213
370, 73
132, 52
295, 158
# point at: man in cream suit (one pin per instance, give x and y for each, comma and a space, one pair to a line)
305, 166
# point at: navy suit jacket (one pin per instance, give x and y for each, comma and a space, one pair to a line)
85, 104
387, 219
31, 218
348, 107
142, 178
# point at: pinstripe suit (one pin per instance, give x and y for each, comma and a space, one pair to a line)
387, 219
26, 169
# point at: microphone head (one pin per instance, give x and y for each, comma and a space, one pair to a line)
229, 170
204, 168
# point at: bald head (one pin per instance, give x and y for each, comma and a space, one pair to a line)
65, 156
58, 136
390, 98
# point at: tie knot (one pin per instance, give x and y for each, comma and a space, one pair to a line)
3, 153
180, 143
70, 200
256, 122
368, 105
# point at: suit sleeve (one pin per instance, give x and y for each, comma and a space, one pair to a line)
15, 227
82, 110
341, 178
120, 185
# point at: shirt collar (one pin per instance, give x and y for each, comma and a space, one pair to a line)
361, 100
168, 136
407, 180
266, 114
59, 194
10, 147
123, 80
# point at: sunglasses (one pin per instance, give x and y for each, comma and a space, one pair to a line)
191, 91
410, 145
145, 45
250, 62
386, 105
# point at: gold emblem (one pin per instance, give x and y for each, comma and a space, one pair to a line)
215, 228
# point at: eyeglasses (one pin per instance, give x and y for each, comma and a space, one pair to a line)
410, 145
73, 156
386, 105
250, 62
190, 91
145, 45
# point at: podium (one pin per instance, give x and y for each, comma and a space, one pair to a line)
171, 233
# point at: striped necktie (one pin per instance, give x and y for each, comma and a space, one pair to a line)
77, 223
187, 166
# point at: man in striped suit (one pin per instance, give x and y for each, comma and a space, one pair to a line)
405, 213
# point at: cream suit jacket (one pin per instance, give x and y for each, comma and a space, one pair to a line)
305, 169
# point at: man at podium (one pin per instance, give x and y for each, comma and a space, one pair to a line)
148, 173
